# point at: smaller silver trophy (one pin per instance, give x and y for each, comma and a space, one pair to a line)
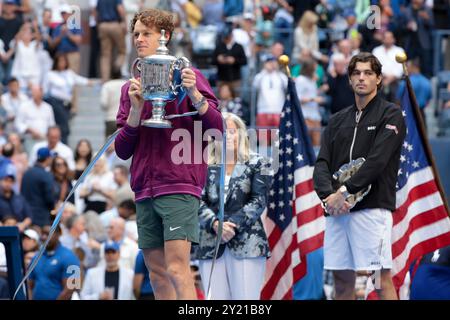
345, 172
160, 76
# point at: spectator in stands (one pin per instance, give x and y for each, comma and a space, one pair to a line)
121, 178
37, 188
77, 239
244, 34
229, 56
12, 100
123, 193
111, 281
110, 100
66, 39
3, 137
344, 47
297, 8
57, 271
306, 37
63, 181
59, 89
26, 66
212, 12
240, 267
283, 25
421, 86
19, 157
83, 156
392, 70
339, 90
98, 187
56, 146
229, 102
319, 74
271, 85
11, 203
94, 45
310, 100
69, 211
112, 27
10, 25
418, 26
127, 211
264, 28
131, 7
233, 8
128, 247
34, 118
6, 163
30, 244
142, 287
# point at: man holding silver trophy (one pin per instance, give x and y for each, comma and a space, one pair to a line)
355, 176
165, 99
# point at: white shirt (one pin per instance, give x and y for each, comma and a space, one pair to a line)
26, 60
242, 37
12, 104
94, 284
61, 149
271, 88
307, 88
387, 59
105, 182
54, 6
110, 98
60, 84
33, 116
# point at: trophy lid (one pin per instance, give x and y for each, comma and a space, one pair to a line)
162, 49
162, 53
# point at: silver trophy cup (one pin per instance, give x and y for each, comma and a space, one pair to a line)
160, 81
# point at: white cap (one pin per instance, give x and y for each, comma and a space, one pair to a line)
249, 16
65, 8
32, 234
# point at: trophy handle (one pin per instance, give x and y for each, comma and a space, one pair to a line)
136, 68
177, 66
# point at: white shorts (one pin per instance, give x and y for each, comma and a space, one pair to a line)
360, 240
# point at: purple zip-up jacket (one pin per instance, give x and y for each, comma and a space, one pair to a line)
157, 167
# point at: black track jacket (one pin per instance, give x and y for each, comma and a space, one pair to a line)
378, 137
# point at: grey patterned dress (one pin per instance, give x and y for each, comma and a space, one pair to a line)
245, 201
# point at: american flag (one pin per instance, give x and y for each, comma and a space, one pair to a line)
294, 222
420, 221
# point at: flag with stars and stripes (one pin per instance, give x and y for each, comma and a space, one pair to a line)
420, 222
294, 222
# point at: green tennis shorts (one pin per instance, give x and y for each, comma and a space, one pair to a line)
170, 217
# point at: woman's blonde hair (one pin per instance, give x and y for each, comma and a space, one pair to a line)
215, 147
307, 19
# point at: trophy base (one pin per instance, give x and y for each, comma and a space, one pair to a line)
160, 123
